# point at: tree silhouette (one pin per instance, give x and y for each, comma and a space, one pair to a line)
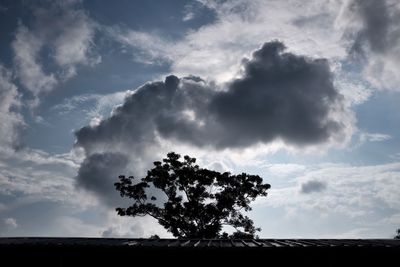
154, 237
397, 234
198, 202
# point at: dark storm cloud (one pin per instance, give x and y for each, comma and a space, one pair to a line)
280, 95
98, 172
312, 186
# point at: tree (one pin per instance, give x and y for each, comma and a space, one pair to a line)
198, 202
154, 237
397, 234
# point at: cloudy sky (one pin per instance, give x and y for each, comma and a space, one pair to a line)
303, 93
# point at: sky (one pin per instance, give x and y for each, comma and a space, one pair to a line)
303, 93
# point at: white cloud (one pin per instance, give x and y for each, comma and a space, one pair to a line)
11, 223
8, 226
11, 121
374, 137
285, 169
394, 220
189, 15
356, 202
382, 71
395, 156
371, 30
129, 227
357, 196
353, 234
36, 176
67, 32
100, 105
151, 49
26, 47
68, 226
364, 137
30, 175
351, 86
192, 10
215, 50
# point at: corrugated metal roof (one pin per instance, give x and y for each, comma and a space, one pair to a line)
199, 243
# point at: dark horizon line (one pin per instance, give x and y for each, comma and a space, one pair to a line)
198, 242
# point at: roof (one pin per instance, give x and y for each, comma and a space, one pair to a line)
27, 251
198, 243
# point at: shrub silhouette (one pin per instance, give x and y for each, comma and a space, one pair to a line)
198, 202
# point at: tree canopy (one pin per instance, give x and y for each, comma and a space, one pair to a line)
195, 202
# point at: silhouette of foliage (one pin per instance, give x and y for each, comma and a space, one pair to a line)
397, 234
198, 202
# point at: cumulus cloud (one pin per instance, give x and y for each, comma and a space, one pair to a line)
374, 31
279, 96
67, 32
11, 121
312, 186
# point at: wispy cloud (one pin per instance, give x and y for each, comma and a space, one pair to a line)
149, 47
3, 8
62, 28
364, 137
372, 28
98, 105
42, 177
374, 137
7, 225
26, 47
11, 120
214, 51
346, 193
